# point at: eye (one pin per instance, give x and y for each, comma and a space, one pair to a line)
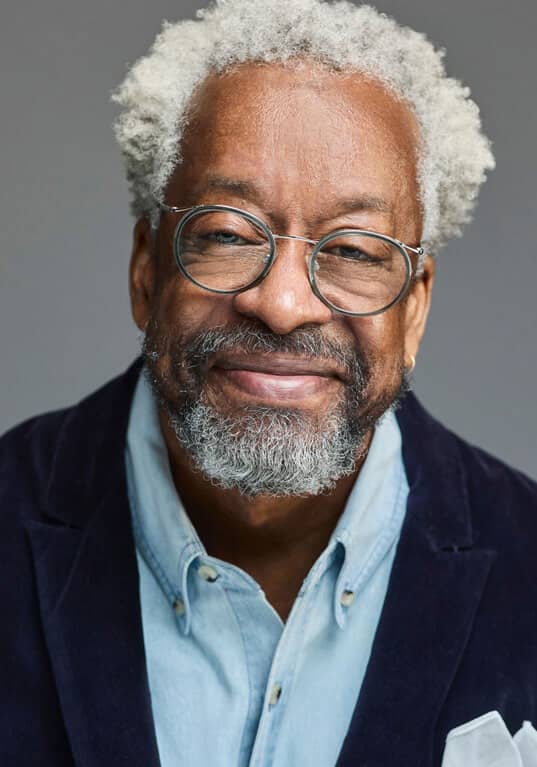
224, 238
356, 254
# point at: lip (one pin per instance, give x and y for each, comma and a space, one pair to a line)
273, 377
279, 365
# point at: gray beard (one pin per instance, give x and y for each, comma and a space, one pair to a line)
264, 450
267, 451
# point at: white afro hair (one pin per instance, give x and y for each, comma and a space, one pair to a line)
454, 152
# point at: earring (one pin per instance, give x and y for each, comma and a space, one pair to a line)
412, 364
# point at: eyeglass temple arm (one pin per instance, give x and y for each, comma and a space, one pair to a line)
170, 208
420, 251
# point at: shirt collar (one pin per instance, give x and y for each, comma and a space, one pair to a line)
168, 542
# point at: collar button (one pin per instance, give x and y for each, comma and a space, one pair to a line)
208, 573
347, 598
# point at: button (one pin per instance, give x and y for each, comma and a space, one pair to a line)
347, 598
208, 573
179, 606
275, 694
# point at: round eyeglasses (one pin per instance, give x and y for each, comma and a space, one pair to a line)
225, 249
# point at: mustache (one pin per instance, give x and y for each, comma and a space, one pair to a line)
307, 341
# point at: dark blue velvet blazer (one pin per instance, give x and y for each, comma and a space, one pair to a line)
457, 635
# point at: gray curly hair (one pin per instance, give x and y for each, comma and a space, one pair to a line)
454, 153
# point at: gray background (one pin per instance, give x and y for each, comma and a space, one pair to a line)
65, 324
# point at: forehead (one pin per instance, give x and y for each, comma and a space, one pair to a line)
282, 126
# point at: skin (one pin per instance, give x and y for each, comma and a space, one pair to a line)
307, 139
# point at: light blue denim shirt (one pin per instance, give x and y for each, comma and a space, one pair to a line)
231, 684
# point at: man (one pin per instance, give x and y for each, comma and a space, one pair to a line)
255, 547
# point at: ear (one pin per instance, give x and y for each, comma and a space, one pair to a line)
417, 309
142, 273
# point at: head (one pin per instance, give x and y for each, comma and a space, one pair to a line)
331, 118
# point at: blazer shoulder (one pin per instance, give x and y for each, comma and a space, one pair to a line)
485, 473
488, 473
26, 458
32, 451
501, 501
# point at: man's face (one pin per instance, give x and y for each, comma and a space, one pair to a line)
270, 383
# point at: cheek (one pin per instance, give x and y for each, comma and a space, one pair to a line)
180, 306
182, 309
180, 312
381, 338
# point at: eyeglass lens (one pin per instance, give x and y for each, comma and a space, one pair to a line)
222, 250
225, 251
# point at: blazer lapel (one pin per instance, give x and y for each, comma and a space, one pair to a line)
434, 591
85, 564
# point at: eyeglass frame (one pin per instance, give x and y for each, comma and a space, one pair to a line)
194, 210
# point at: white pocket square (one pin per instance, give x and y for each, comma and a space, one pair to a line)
486, 742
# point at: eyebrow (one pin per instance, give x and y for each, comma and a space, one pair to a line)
247, 189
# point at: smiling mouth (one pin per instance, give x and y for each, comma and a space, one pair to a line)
277, 377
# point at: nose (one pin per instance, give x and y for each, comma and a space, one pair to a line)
284, 300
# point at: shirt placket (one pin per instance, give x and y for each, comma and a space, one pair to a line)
284, 663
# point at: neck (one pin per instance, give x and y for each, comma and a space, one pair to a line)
274, 539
